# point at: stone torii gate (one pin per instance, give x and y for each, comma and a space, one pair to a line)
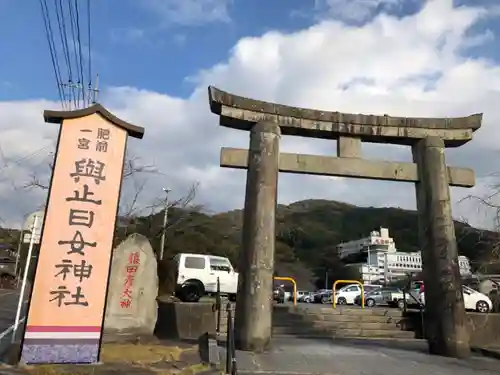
446, 319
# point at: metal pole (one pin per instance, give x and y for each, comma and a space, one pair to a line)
164, 228
25, 278
218, 306
385, 269
19, 246
229, 339
326, 279
369, 264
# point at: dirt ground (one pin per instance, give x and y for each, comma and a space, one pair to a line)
160, 358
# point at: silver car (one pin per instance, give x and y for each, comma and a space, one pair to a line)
381, 296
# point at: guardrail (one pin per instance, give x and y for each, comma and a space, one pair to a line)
348, 282
294, 287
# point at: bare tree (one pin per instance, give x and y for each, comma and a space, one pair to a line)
489, 239
145, 215
132, 167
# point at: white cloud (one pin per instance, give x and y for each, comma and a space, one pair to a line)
412, 66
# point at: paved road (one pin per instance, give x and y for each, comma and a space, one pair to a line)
293, 356
8, 306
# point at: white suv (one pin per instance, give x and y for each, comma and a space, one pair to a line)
197, 275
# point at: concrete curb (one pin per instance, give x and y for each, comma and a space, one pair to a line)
490, 353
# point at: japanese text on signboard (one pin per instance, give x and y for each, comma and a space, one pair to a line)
87, 173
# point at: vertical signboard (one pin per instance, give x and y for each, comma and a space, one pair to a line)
65, 316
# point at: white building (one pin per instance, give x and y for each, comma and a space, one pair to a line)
376, 258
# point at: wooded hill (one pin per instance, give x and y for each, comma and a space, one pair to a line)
307, 234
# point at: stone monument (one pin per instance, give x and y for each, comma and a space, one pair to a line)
428, 137
133, 287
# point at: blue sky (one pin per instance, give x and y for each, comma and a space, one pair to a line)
155, 59
157, 47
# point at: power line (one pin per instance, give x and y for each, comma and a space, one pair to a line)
76, 89
24, 158
75, 49
53, 52
79, 41
89, 52
64, 41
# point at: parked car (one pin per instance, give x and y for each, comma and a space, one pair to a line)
347, 294
308, 298
390, 296
323, 296
304, 296
197, 275
301, 294
473, 300
7, 273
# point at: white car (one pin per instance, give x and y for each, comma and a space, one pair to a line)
197, 275
473, 300
347, 294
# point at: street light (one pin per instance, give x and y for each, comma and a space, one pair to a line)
165, 221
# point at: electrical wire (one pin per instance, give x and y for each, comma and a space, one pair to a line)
24, 158
53, 52
89, 53
75, 49
64, 42
79, 41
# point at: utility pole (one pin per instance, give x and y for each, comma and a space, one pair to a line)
94, 91
165, 222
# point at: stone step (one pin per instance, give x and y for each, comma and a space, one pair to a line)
354, 325
352, 311
353, 318
368, 333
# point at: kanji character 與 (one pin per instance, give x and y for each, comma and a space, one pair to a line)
89, 168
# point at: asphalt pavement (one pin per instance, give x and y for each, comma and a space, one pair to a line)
8, 307
295, 356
